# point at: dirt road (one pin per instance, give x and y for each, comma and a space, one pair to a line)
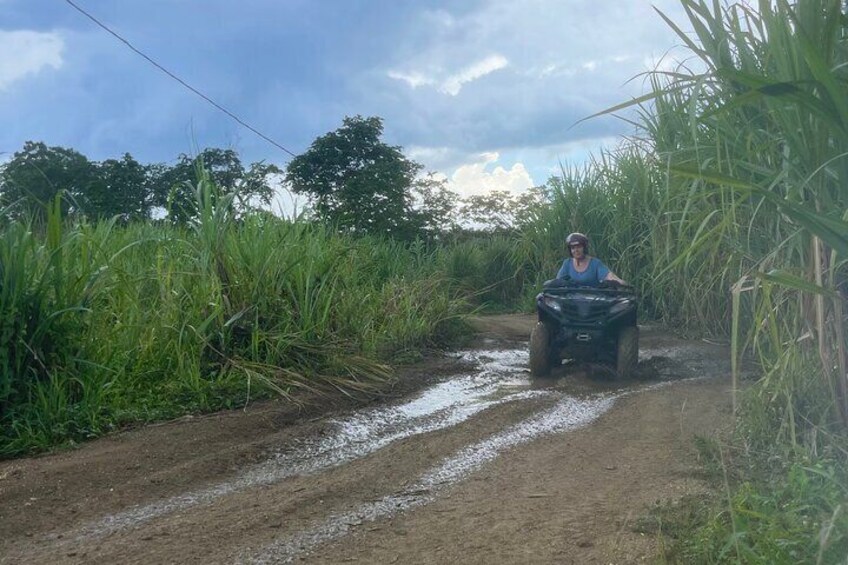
467, 461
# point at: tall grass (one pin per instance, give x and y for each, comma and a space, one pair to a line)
767, 147
491, 269
730, 212
102, 325
769, 154
736, 182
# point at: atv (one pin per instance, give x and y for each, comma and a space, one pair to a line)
585, 324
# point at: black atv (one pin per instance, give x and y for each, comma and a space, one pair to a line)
585, 324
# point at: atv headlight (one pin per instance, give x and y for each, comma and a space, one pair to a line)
552, 303
620, 306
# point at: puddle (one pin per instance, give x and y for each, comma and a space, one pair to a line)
683, 361
568, 414
501, 378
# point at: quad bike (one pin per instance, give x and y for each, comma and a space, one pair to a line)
585, 324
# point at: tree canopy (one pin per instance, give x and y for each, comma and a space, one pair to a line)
356, 181
119, 187
37, 173
500, 211
173, 187
125, 188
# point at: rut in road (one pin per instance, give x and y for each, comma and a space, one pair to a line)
501, 380
498, 380
567, 414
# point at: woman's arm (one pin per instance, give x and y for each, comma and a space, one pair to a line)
604, 273
563, 271
611, 277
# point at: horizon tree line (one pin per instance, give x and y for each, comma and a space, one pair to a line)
353, 180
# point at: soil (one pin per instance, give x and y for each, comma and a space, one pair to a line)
464, 459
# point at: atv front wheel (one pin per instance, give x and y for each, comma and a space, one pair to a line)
540, 350
627, 352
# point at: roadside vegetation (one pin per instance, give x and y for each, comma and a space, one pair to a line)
727, 208
104, 325
109, 317
771, 107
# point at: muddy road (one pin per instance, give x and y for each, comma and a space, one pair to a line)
467, 460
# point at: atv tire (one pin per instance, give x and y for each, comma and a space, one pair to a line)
540, 350
556, 359
627, 352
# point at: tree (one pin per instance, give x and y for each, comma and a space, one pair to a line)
493, 211
435, 207
173, 187
500, 211
528, 203
37, 173
356, 181
120, 188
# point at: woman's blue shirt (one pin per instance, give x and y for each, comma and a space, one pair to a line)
592, 276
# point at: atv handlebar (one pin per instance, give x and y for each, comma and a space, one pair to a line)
568, 283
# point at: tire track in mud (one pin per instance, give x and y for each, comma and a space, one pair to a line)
555, 406
568, 414
442, 406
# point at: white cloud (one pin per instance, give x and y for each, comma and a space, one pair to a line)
562, 69
431, 157
453, 83
490, 64
470, 174
413, 79
548, 70
474, 178
24, 52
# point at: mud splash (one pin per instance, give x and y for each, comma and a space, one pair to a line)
675, 361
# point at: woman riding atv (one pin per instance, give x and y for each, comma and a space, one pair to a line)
580, 267
585, 324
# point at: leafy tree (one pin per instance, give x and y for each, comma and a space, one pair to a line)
173, 187
37, 173
493, 211
528, 203
500, 211
435, 207
120, 188
358, 182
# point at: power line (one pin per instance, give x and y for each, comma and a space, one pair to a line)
178, 79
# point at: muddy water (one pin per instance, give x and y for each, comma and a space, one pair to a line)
572, 398
500, 378
573, 409
568, 413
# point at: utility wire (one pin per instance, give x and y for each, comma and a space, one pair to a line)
178, 79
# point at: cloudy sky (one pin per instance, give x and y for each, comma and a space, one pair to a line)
485, 92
